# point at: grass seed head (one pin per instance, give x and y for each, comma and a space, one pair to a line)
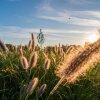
33, 60
3, 47
24, 62
30, 45
20, 50
32, 85
33, 45
47, 64
32, 36
42, 90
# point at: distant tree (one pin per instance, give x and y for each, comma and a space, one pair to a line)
41, 38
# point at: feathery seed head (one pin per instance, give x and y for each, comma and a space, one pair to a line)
33, 45
42, 90
30, 45
24, 62
32, 35
3, 46
20, 50
33, 60
47, 64
32, 85
79, 65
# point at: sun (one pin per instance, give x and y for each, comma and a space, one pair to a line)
92, 37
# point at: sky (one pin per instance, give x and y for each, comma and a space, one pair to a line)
62, 21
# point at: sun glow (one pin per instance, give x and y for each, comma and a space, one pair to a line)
92, 37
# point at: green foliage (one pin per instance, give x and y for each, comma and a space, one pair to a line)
13, 80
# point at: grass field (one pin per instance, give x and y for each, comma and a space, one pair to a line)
24, 70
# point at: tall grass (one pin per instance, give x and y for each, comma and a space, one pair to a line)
34, 77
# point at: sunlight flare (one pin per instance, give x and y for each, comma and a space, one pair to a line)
92, 37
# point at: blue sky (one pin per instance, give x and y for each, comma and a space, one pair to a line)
64, 21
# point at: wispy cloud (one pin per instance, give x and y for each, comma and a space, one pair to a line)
79, 1
81, 18
23, 32
46, 7
54, 35
73, 20
88, 14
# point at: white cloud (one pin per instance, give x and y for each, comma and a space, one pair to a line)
75, 18
67, 31
80, 18
82, 1
46, 7
22, 35
19, 32
16, 32
88, 14
17, 35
